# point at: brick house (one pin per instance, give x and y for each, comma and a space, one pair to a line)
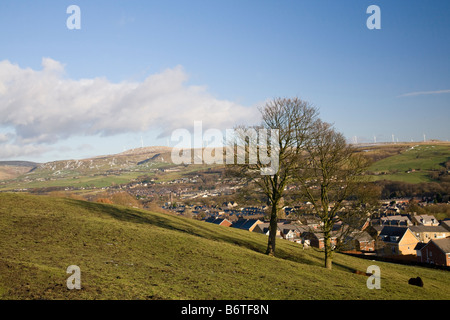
427, 233
360, 241
396, 241
246, 224
425, 220
310, 221
396, 220
264, 229
220, 221
436, 251
293, 232
316, 239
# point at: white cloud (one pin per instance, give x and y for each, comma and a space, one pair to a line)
44, 107
420, 93
12, 151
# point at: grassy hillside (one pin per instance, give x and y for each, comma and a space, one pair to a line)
101, 171
405, 162
97, 172
134, 254
413, 164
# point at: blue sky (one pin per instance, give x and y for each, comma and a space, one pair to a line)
144, 68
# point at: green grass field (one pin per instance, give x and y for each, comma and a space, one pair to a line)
414, 164
413, 177
80, 182
127, 253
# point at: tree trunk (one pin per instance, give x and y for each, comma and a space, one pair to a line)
272, 230
328, 251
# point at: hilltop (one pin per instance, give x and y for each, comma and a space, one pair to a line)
126, 253
156, 150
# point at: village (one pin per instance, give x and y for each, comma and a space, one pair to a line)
388, 234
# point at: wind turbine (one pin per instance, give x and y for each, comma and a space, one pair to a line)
142, 142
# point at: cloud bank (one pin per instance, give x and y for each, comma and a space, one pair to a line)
42, 107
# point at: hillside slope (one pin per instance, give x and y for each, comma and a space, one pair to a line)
98, 171
414, 164
134, 254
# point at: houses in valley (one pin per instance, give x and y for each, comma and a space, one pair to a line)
307, 234
398, 238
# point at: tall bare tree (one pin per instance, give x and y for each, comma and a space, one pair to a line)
331, 173
292, 118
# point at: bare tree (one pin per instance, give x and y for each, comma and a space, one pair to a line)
290, 121
330, 174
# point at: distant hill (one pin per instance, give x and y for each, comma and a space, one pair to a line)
414, 163
98, 171
117, 161
13, 169
409, 162
128, 253
19, 163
